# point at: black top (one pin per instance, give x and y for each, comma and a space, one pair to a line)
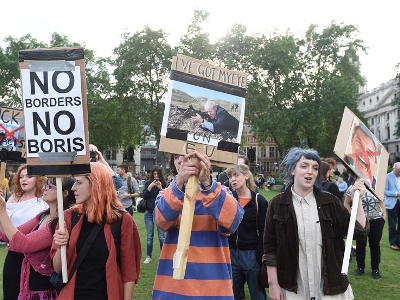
91, 281
332, 188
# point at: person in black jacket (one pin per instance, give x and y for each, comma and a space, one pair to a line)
246, 243
150, 192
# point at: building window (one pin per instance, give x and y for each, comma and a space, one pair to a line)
372, 121
388, 132
110, 154
263, 151
370, 101
377, 99
397, 148
363, 103
387, 116
271, 151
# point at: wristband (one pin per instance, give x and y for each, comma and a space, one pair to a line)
206, 187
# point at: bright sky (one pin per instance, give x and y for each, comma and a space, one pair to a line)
100, 24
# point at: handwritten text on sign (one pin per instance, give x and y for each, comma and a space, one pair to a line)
53, 111
203, 69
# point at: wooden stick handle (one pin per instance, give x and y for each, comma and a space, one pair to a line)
60, 209
350, 232
185, 229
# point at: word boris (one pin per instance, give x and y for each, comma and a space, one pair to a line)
53, 128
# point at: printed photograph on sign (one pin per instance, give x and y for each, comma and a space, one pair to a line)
208, 116
363, 153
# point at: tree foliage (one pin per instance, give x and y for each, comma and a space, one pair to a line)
297, 87
142, 65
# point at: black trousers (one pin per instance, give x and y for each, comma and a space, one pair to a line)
12, 275
374, 238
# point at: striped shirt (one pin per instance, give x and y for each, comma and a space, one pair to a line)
208, 271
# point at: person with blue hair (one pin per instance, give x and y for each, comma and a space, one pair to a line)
304, 231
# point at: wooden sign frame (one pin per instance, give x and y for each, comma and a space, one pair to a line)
192, 83
357, 161
55, 107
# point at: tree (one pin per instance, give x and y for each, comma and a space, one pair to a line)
142, 65
196, 43
330, 66
10, 86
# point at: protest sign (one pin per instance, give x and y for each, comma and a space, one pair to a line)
195, 88
12, 135
55, 111
363, 155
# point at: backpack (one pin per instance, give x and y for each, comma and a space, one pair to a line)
130, 190
115, 230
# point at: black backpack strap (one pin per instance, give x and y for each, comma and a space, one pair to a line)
86, 246
129, 182
116, 232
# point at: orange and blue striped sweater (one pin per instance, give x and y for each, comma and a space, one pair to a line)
208, 271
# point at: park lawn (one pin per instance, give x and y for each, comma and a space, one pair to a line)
364, 287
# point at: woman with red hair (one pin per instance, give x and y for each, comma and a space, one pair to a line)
105, 272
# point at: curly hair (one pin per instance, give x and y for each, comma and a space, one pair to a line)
17, 189
103, 202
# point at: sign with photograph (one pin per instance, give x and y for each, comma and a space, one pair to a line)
362, 153
204, 110
55, 111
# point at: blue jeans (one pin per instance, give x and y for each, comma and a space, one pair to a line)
149, 222
246, 268
393, 216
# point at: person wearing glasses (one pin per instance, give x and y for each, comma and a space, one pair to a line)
33, 240
24, 204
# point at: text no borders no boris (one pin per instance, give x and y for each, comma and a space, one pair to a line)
53, 111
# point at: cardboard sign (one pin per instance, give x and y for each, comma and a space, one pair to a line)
55, 111
362, 153
214, 95
12, 135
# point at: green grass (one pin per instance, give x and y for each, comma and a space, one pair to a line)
364, 287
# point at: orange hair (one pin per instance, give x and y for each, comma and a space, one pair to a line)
17, 189
331, 161
103, 201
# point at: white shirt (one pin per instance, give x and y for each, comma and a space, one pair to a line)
21, 212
